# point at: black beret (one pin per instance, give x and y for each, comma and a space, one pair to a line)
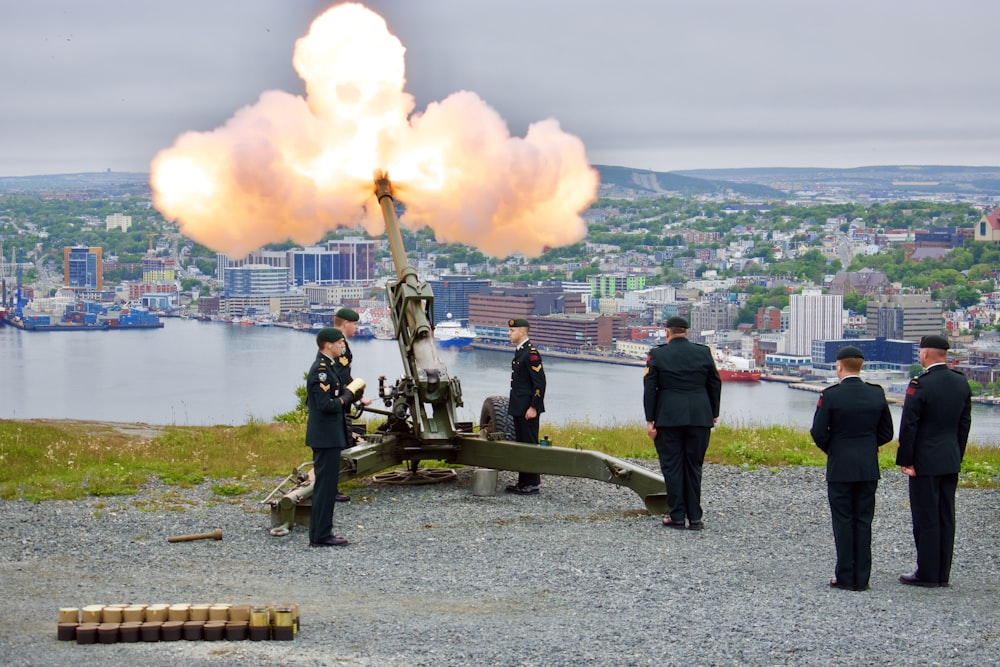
518, 322
850, 352
936, 342
346, 314
677, 322
329, 335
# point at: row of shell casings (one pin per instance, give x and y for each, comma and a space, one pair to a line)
155, 631
108, 624
282, 615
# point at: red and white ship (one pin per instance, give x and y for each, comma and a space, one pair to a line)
736, 369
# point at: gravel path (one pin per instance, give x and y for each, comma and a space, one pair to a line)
577, 575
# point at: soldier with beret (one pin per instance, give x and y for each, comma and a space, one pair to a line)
681, 397
851, 422
527, 398
328, 399
345, 320
933, 433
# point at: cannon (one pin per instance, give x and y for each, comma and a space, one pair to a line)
421, 413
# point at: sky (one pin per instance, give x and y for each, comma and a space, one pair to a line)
667, 85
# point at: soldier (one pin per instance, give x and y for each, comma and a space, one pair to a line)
328, 400
345, 320
933, 433
851, 422
681, 394
527, 398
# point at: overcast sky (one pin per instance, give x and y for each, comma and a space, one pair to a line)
659, 84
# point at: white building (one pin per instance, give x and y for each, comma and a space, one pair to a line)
117, 221
814, 316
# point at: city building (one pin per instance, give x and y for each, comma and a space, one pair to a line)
493, 306
582, 331
903, 316
988, 228
451, 296
768, 319
604, 284
880, 353
717, 311
255, 279
83, 268
117, 221
813, 316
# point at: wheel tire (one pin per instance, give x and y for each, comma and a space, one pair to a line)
494, 417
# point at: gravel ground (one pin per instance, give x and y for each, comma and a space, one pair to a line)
580, 574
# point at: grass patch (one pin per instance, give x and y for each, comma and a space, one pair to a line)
57, 459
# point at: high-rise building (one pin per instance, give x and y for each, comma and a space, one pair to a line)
715, 312
451, 296
814, 316
346, 260
255, 279
117, 221
903, 316
83, 268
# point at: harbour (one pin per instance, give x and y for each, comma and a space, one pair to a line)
206, 373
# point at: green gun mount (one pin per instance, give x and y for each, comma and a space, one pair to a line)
421, 408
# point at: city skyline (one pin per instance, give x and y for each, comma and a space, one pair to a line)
663, 85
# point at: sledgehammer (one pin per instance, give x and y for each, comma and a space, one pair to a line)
214, 535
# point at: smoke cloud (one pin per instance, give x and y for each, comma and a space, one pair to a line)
294, 168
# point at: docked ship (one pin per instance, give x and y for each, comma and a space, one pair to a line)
736, 369
451, 334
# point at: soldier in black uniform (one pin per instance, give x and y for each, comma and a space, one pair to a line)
527, 398
851, 422
933, 433
345, 320
682, 392
328, 400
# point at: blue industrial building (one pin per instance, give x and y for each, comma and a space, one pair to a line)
451, 295
880, 353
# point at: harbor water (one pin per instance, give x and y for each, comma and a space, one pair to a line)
205, 373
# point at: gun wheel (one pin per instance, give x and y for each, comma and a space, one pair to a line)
495, 418
418, 476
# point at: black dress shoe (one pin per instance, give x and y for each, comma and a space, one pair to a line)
844, 587
670, 523
341, 498
526, 490
696, 525
332, 541
911, 580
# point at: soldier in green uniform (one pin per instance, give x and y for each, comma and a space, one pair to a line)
681, 395
328, 400
527, 398
345, 320
851, 422
933, 433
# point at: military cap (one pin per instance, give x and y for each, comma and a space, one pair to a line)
346, 314
518, 322
850, 352
329, 335
677, 322
936, 342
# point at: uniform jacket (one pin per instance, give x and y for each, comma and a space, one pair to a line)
851, 422
681, 386
934, 428
326, 426
527, 381
344, 364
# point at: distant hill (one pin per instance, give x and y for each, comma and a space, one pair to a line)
677, 183
98, 180
877, 182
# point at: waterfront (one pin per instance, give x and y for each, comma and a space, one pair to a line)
197, 373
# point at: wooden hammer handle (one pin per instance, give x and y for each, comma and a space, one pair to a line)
214, 535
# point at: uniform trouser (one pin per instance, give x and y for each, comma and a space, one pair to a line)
682, 452
852, 507
526, 430
932, 506
326, 467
